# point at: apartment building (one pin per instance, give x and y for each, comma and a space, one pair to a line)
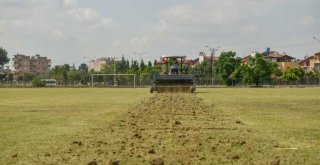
311, 63
36, 65
97, 65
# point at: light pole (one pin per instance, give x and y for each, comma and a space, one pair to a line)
114, 72
213, 50
140, 56
1, 65
319, 41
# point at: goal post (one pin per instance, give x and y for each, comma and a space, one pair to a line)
113, 79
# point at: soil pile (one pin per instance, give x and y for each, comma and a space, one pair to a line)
163, 129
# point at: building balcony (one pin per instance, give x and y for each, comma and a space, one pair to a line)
16, 65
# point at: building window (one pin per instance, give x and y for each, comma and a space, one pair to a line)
317, 67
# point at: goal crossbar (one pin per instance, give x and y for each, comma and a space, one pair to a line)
134, 77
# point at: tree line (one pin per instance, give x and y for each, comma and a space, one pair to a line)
256, 71
227, 69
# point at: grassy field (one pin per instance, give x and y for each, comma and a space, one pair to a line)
37, 126
37, 121
289, 117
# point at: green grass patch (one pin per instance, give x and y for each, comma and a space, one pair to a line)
289, 116
285, 121
40, 120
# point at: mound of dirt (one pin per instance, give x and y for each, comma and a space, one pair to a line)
275, 161
157, 161
172, 128
92, 163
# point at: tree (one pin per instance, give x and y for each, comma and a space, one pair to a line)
36, 82
25, 78
310, 74
201, 69
134, 66
122, 66
142, 65
83, 66
276, 71
185, 69
10, 77
64, 70
257, 70
226, 66
3, 57
84, 74
74, 76
317, 74
107, 69
293, 74
60, 73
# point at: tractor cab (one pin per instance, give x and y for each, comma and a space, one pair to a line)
173, 64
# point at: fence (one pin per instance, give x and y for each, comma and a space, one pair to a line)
206, 81
145, 80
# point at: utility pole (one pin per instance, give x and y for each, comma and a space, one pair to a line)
1, 67
114, 72
213, 76
140, 56
319, 41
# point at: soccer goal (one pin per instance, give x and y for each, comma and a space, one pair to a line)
113, 80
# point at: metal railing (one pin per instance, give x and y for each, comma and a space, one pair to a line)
145, 80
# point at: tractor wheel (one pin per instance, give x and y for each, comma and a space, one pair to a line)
193, 89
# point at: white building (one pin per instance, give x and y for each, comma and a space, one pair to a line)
97, 65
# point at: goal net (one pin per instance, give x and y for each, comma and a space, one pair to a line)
113, 80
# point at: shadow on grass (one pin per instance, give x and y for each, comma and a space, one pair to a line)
202, 92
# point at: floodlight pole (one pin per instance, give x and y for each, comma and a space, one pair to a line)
213, 76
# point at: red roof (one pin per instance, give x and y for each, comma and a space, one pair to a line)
161, 62
306, 59
277, 55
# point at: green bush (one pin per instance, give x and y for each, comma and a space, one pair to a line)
36, 82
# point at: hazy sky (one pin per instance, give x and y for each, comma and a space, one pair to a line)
68, 30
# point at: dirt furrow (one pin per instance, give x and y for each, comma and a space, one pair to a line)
164, 129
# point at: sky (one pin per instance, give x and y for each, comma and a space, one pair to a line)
76, 31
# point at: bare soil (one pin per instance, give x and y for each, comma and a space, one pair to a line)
168, 129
